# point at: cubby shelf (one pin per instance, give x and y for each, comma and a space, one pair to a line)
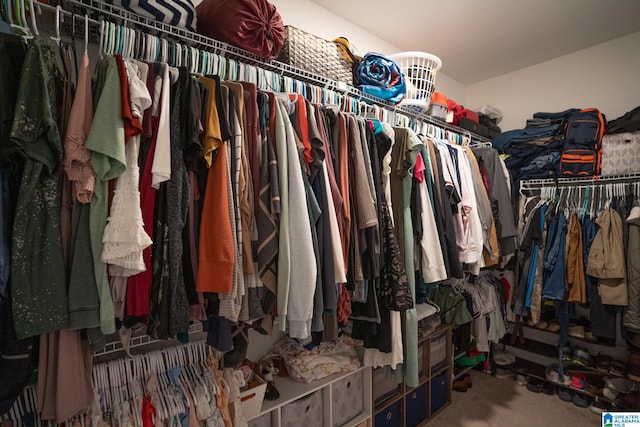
406, 406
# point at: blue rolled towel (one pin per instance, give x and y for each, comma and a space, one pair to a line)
380, 76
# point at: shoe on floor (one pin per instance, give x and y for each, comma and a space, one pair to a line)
467, 379
581, 401
565, 395
460, 384
522, 379
598, 406
548, 389
535, 385
502, 373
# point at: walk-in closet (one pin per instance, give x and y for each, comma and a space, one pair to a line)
319, 213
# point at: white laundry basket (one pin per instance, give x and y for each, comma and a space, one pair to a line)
420, 69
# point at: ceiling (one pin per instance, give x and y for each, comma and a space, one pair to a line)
481, 39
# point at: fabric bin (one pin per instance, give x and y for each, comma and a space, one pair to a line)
263, 420
306, 412
439, 392
384, 387
416, 408
390, 417
438, 350
347, 399
621, 153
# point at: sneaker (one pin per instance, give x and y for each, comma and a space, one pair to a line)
548, 389
535, 385
565, 395
522, 379
581, 400
554, 376
578, 381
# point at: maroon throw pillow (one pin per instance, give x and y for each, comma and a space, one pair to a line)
253, 25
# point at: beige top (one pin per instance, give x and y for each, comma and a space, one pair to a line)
77, 158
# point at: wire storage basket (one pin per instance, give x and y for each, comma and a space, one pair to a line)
420, 69
316, 55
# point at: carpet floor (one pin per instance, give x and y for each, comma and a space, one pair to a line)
494, 402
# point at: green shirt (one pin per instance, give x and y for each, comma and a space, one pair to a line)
108, 158
38, 283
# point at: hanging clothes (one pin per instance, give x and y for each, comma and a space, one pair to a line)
108, 157
607, 260
631, 319
39, 289
576, 285
216, 251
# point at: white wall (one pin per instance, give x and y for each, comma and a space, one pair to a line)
317, 20
605, 76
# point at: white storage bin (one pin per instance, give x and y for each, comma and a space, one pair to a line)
251, 399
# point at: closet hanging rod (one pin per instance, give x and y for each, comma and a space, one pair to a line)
583, 182
110, 12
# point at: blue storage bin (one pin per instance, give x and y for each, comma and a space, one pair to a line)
439, 392
416, 409
390, 417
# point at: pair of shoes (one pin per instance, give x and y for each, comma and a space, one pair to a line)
271, 392
576, 331
552, 374
535, 385
581, 401
463, 383
581, 357
602, 363
578, 381
633, 366
630, 401
565, 395
594, 385
522, 379
553, 326
503, 358
618, 368
567, 351
503, 372
620, 384
598, 406
549, 389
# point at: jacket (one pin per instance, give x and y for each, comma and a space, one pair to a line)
607, 259
631, 319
